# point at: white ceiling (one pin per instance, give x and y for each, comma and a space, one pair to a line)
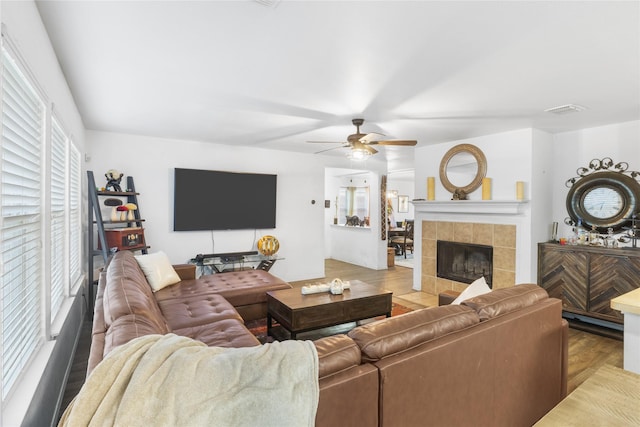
275, 76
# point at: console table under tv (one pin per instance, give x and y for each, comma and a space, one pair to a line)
234, 261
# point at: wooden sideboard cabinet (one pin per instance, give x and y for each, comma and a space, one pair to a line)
586, 278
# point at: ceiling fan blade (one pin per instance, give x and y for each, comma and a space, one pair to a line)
370, 137
325, 142
403, 142
329, 149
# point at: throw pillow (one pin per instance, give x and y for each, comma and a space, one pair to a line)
158, 270
479, 287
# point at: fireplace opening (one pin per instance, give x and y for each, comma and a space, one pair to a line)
464, 262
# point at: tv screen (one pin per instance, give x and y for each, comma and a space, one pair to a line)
218, 200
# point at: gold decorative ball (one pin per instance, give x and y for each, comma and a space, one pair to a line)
268, 245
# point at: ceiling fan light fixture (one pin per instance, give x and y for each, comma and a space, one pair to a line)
358, 154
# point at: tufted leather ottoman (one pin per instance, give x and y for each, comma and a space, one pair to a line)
246, 290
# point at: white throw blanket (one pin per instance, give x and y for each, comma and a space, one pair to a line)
168, 380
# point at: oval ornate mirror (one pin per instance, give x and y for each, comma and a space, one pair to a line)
462, 169
602, 198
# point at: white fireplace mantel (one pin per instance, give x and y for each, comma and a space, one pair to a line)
491, 207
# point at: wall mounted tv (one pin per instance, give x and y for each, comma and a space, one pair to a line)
218, 200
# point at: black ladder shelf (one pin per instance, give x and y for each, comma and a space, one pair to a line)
95, 220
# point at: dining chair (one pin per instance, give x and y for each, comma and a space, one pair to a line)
405, 241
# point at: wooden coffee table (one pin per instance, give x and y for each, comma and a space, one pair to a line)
300, 313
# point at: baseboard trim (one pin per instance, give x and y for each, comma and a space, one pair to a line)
595, 328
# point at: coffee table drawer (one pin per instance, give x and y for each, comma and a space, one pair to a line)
319, 317
369, 307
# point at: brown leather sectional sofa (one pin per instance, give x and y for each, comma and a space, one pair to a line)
496, 360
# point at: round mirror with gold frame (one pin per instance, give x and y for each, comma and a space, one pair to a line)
462, 169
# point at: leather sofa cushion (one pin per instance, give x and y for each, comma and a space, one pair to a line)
96, 352
128, 327
98, 326
238, 287
336, 353
229, 333
127, 292
395, 334
196, 311
506, 300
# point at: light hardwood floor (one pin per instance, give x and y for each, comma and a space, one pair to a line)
397, 279
587, 351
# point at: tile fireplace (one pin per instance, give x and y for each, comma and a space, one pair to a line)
505, 226
501, 238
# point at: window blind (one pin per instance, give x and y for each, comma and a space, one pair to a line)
20, 221
58, 233
75, 215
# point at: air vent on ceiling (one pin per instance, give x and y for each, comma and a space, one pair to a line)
564, 109
268, 3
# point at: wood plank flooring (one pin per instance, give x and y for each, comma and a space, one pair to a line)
587, 351
399, 280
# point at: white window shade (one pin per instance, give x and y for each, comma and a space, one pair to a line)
75, 215
20, 221
58, 233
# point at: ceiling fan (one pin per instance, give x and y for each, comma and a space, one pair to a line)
361, 143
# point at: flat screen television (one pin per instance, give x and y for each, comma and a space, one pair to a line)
219, 200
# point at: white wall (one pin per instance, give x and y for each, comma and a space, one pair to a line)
544, 162
299, 222
540, 193
510, 158
301, 179
572, 150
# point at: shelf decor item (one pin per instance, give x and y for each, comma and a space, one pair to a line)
113, 180
123, 212
431, 188
337, 287
114, 203
130, 208
519, 190
268, 245
486, 188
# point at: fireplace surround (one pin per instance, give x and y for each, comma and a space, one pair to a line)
502, 237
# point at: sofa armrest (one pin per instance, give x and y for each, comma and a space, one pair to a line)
335, 354
185, 271
565, 358
502, 301
447, 297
